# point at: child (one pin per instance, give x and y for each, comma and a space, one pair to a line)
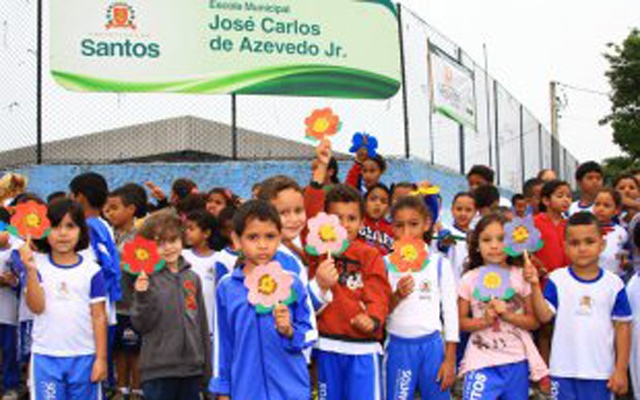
120, 210
589, 176
500, 354
591, 339
351, 326
9, 287
401, 189
633, 291
629, 189
547, 175
606, 207
366, 171
519, 205
66, 292
259, 356
376, 230
415, 354
219, 198
169, 311
531, 192
487, 199
481, 175
463, 210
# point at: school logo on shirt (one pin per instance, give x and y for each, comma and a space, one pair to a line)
586, 305
424, 288
62, 291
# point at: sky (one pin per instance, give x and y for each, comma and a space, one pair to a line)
532, 42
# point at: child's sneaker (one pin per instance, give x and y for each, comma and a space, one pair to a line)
11, 395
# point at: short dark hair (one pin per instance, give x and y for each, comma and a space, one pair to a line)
380, 161
486, 196
272, 187
127, 197
548, 189
56, 212
141, 199
56, 196
583, 218
587, 167
482, 170
380, 186
406, 185
527, 189
624, 176
341, 193
183, 187
463, 194
92, 186
516, 197
192, 202
207, 222
255, 210
228, 195
162, 225
615, 195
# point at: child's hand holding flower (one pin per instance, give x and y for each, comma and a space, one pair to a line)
26, 255
283, 320
406, 284
530, 273
327, 274
499, 306
142, 282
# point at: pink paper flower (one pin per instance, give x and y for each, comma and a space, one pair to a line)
268, 285
326, 235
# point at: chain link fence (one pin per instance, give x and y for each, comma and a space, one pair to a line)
41, 122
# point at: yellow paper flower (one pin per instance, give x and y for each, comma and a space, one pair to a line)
492, 280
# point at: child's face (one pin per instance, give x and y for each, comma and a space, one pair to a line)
259, 241
534, 201
475, 181
370, 173
117, 213
591, 183
64, 237
604, 208
628, 188
520, 207
409, 223
549, 175
463, 210
491, 244
400, 192
583, 245
290, 205
377, 204
559, 201
193, 234
170, 248
216, 203
350, 217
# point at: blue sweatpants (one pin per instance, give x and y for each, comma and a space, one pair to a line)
63, 378
10, 362
173, 388
504, 382
414, 363
345, 376
579, 389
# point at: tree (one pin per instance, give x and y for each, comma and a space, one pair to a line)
624, 78
615, 166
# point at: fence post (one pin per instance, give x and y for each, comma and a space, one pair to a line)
540, 150
405, 106
522, 156
234, 128
461, 128
497, 130
39, 85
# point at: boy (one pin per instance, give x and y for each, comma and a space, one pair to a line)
9, 285
481, 175
531, 192
487, 199
592, 336
169, 311
519, 205
351, 326
90, 189
589, 176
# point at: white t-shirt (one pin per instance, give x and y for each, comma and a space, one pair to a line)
224, 261
633, 290
65, 328
577, 207
457, 254
610, 259
419, 313
205, 267
8, 295
583, 339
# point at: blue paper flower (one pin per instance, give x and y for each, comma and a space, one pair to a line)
363, 139
493, 283
521, 234
3, 226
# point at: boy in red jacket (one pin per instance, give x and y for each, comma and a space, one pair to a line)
351, 326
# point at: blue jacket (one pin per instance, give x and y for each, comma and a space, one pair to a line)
251, 360
107, 257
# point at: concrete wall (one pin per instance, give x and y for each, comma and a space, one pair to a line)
238, 176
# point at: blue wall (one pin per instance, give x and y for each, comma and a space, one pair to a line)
238, 176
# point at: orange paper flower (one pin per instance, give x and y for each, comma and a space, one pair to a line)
141, 255
322, 123
30, 219
409, 255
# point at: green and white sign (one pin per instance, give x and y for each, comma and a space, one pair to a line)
328, 48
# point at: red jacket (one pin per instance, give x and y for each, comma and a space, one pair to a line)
552, 254
362, 287
378, 233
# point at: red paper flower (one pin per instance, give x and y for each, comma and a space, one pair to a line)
409, 255
141, 255
322, 123
30, 219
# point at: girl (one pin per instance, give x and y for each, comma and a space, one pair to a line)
366, 171
629, 189
66, 292
495, 361
453, 241
376, 230
218, 199
259, 356
416, 356
606, 207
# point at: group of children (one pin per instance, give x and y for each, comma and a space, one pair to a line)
356, 327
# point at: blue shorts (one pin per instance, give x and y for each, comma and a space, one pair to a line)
504, 382
579, 389
63, 378
346, 376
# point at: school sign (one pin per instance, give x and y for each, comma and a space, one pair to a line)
327, 48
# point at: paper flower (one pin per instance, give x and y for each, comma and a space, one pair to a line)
268, 286
141, 255
3, 226
446, 239
322, 123
493, 283
326, 236
363, 139
520, 235
409, 255
30, 219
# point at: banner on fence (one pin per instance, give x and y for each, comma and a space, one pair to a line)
329, 48
452, 88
